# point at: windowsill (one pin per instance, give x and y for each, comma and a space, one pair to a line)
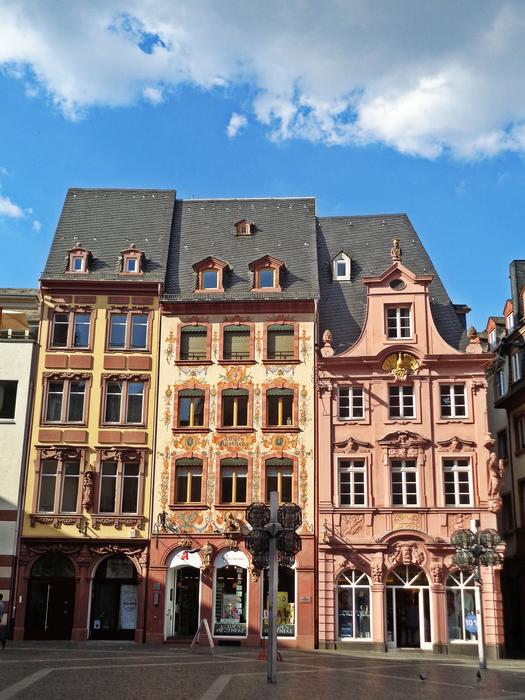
344, 421
401, 420
209, 291
279, 429
230, 506
69, 350
188, 506
291, 361
194, 362
194, 429
6, 421
131, 426
63, 424
231, 429
249, 361
55, 519
126, 351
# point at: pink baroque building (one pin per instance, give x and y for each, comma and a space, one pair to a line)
403, 447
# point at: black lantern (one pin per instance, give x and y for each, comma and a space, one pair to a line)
290, 516
463, 539
258, 515
464, 560
489, 539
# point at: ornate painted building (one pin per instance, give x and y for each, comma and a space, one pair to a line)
85, 531
235, 417
404, 454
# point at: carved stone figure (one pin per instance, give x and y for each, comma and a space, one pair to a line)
376, 572
496, 469
436, 571
406, 553
327, 350
396, 251
87, 490
207, 553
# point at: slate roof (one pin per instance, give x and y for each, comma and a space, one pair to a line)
284, 229
107, 221
517, 281
368, 240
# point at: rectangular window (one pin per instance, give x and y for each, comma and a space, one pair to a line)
279, 477
234, 475
191, 409
398, 322
70, 330
453, 401
124, 402
235, 408
128, 331
78, 263
131, 264
507, 513
59, 486
350, 403
401, 402
279, 408
236, 343
119, 487
210, 279
65, 401
404, 482
194, 343
70, 482
280, 342
515, 366
520, 432
502, 444
493, 338
509, 322
8, 390
130, 488
48, 481
352, 482
457, 480
500, 383
108, 487
266, 278
188, 481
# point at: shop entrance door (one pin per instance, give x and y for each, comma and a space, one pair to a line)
51, 599
408, 609
186, 603
114, 600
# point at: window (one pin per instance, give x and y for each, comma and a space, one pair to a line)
352, 482
231, 596
194, 343
210, 274
234, 475
509, 322
78, 258
280, 342
8, 390
350, 402
493, 338
128, 331
404, 482
235, 408
131, 264
244, 227
520, 432
461, 607
507, 513
286, 605
453, 401
124, 402
279, 408
266, 274
341, 267
236, 343
132, 260
500, 383
279, 477
210, 279
59, 486
188, 480
502, 444
77, 263
353, 605
457, 479
191, 408
70, 330
401, 402
515, 366
65, 401
398, 322
266, 278
119, 487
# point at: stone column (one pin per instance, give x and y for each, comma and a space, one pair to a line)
79, 632
378, 616
327, 633
438, 610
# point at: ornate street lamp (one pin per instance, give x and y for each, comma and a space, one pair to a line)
473, 548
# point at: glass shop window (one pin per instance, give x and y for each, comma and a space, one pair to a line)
230, 602
286, 607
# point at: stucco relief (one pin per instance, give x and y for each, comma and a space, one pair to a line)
274, 372
400, 365
376, 570
455, 444
168, 397
436, 571
351, 445
195, 373
304, 344
403, 444
406, 553
457, 521
170, 346
406, 521
352, 524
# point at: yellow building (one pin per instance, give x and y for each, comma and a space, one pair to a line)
86, 527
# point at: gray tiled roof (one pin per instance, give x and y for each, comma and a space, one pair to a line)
368, 241
107, 221
284, 229
517, 281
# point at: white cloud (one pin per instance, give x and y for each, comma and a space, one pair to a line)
424, 78
237, 123
37, 226
10, 209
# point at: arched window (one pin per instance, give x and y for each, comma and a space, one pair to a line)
461, 607
353, 605
53, 565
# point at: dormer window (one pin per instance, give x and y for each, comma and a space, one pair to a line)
341, 267
78, 260
132, 260
266, 274
244, 227
210, 274
509, 317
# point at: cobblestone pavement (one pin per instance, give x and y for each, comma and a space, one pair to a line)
54, 670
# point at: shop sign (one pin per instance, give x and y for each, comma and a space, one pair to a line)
232, 629
234, 442
128, 607
283, 629
232, 558
471, 623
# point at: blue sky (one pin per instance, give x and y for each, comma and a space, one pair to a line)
368, 116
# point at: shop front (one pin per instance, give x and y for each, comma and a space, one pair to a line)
114, 600
182, 595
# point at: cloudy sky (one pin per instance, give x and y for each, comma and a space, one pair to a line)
374, 106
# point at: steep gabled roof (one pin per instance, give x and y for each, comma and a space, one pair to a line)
517, 282
285, 230
343, 306
108, 221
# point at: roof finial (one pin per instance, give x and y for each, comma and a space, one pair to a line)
395, 251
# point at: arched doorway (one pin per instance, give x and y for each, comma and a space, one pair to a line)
182, 595
408, 608
51, 598
114, 600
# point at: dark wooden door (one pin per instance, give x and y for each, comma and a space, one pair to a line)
50, 608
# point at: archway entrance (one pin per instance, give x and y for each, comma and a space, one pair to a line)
182, 599
51, 598
408, 608
114, 600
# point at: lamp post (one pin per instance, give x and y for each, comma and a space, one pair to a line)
475, 548
271, 540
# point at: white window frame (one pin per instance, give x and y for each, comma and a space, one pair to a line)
456, 468
342, 258
509, 322
396, 316
74, 260
452, 396
352, 391
404, 470
354, 580
131, 264
500, 383
355, 466
493, 338
515, 366
464, 583
402, 408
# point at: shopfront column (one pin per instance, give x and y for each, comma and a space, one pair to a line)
378, 615
79, 633
438, 611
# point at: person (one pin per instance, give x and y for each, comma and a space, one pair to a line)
3, 628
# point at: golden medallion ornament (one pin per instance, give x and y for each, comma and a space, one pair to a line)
400, 365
